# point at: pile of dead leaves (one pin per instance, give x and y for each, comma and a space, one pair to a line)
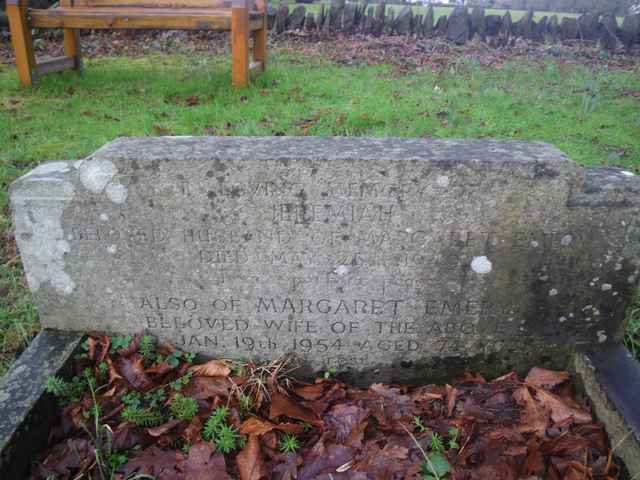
280, 428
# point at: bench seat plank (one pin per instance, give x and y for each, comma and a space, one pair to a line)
138, 18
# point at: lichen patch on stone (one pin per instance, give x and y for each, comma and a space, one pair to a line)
481, 265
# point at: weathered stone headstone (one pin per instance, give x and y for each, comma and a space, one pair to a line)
281, 17
478, 24
569, 28
458, 26
310, 22
335, 14
296, 18
370, 255
553, 29
608, 34
630, 29
349, 17
493, 24
427, 23
440, 28
588, 26
379, 19
402, 23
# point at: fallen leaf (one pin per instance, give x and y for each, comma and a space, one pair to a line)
250, 462
549, 379
162, 429
532, 417
281, 405
256, 426
204, 463
212, 368
132, 369
560, 410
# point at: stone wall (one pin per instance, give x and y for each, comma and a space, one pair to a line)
462, 25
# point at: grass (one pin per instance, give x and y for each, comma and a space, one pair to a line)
587, 112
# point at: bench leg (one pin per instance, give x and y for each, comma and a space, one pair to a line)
260, 45
240, 47
21, 39
72, 46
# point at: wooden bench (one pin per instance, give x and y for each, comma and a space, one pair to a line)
243, 18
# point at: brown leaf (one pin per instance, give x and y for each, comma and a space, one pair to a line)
156, 462
549, 379
560, 410
205, 388
204, 464
212, 368
452, 393
256, 426
250, 462
348, 422
281, 405
310, 392
133, 346
160, 129
162, 429
159, 368
132, 369
532, 417
192, 434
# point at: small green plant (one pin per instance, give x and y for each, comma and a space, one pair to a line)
417, 422
306, 427
289, 443
134, 412
183, 408
119, 342
183, 381
226, 438
147, 348
454, 434
217, 430
437, 444
330, 372
245, 403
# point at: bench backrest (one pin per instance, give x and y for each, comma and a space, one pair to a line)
204, 4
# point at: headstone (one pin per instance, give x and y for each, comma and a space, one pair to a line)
609, 34
402, 23
524, 27
507, 23
296, 18
379, 19
310, 22
630, 30
541, 29
478, 25
588, 26
441, 26
281, 17
569, 29
349, 17
271, 16
370, 255
553, 29
427, 23
389, 22
417, 25
493, 24
369, 21
335, 14
458, 26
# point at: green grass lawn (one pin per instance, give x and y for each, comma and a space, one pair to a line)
590, 113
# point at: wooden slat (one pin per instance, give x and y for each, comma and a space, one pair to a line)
72, 46
260, 44
157, 3
139, 18
54, 65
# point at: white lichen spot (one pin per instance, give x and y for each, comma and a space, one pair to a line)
614, 294
553, 292
602, 337
543, 278
341, 270
481, 265
116, 192
571, 315
442, 181
96, 174
104, 217
606, 286
631, 279
618, 266
566, 240
534, 244
112, 249
41, 238
627, 173
562, 319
